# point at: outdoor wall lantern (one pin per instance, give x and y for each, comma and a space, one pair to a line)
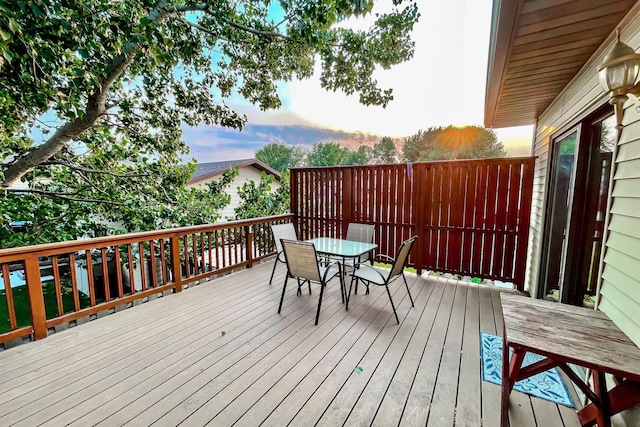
618, 74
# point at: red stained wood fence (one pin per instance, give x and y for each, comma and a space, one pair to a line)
471, 216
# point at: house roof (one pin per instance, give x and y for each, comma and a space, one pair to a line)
537, 47
205, 171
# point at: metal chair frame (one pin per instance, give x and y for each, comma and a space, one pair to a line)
383, 277
302, 263
281, 231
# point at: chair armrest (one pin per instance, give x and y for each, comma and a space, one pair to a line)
329, 267
385, 257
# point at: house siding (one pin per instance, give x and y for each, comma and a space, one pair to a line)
245, 174
620, 270
620, 288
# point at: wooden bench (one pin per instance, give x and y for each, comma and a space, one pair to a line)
567, 334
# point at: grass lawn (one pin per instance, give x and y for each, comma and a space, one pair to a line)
407, 269
21, 303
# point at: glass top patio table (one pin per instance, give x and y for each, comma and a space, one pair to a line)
341, 248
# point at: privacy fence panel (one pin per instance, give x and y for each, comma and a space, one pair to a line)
471, 216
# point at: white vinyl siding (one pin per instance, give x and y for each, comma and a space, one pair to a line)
620, 290
245, 174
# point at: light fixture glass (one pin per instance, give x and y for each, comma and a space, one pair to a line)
618, 74
620, 69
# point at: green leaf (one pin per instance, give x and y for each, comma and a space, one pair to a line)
5, 35
36, 10
13, 25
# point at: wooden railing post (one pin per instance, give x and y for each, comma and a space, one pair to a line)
36, 298
418, 195
347, 199
293, 197
175, 262
247, 232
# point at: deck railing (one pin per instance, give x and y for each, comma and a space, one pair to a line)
61, 283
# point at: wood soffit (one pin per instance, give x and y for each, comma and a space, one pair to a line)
537, 47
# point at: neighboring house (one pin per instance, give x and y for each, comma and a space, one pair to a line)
248, 170
585, 221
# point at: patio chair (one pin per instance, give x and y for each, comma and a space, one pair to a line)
281, 231
302, 264
383, 277
357, 232
361, 233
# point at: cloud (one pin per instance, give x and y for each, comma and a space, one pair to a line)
443, 84
213, 143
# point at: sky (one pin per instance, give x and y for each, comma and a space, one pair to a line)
443, 84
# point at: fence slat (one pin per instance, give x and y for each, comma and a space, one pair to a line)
472, 216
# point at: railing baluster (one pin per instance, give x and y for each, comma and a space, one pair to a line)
175, 262
118, 265
143, 277
13, 324
217, 243
74, 282
105, 274
186, 257
249, 245
56, 283
194, 240
92, 289
132, 281
152, 265
163, 262
209, 249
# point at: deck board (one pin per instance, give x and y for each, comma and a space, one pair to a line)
167, 361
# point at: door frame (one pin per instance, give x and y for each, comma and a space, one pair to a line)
576, 239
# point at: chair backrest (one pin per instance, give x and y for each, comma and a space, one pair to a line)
301, 259
402, 256
360, 232
283, 231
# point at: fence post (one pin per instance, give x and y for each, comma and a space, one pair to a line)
524, 222
347, 200
417, 172
175, 262
293, 197
36, 298
247, 232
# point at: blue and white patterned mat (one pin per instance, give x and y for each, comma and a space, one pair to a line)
546, 385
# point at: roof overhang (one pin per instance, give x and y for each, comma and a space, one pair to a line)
536, 48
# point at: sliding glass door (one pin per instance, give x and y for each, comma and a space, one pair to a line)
576, 201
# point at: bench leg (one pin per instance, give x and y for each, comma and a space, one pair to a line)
624, 396
603, 415
515, 365
505, 386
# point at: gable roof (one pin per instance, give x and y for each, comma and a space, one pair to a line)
537, 47
205, 171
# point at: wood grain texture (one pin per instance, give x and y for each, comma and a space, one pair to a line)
219, 353
537, 38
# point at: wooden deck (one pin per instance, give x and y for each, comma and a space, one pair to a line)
219, 354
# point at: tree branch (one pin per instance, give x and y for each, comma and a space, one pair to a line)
203, 29
94, 109
206, 9
62, 196
96, 171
